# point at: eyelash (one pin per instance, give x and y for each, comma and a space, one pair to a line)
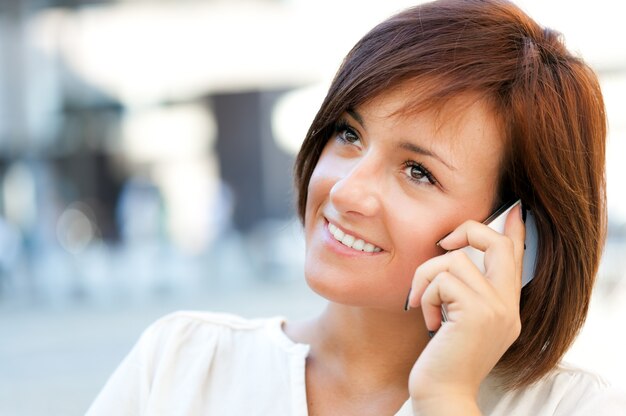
423, 170
342, 127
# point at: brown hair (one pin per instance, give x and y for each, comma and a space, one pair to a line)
550, 104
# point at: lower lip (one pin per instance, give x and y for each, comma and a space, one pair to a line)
339, 248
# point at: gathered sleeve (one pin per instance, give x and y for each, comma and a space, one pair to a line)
151, 366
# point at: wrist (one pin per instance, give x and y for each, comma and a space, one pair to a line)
445, 405
445, 400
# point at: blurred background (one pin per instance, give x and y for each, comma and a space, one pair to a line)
146, 150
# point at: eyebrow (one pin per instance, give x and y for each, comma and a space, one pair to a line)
355, 115
411, 147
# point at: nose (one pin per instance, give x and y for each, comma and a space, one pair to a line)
358, 191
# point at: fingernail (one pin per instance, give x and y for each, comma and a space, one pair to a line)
407, 307
523, 212
438, 243
431, 334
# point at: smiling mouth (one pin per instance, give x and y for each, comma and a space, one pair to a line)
351, 241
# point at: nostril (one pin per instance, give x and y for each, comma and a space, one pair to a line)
358, 189
348, 197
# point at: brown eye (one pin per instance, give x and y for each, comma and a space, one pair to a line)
348, 135
416, 172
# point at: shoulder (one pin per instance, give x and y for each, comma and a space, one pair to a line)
568, 380
582, 392
180, 339
209, 321
193, 331
190, 360
201, 326
566, 390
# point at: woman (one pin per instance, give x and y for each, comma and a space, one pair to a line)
435, 118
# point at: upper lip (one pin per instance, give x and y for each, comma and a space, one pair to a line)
352, 233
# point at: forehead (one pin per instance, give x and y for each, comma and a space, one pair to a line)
411, 104
424, 99
464, 127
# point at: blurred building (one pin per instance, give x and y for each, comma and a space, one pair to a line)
126, 125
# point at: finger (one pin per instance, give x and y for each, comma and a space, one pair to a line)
500, 259
456, 263
445, 289
470, 233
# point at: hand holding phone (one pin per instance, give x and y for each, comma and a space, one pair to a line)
496, 222
482, 300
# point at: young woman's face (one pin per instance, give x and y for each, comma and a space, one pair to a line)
390, 186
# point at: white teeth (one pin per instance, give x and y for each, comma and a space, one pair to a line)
336, 232
348, 240
352, 241
358, 244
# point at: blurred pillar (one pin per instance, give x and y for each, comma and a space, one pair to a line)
13, 135
258, 172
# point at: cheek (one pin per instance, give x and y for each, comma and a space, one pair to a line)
415, 236
318, 190
323, 178
415, 243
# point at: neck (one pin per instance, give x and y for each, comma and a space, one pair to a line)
370, 348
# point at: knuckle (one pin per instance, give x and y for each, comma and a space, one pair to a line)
507, 243
426, 299
441, 277
417, 273
426, 265
472, 223
458, 256
472, 226
421, 270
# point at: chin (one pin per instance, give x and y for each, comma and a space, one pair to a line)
351, 294
328, 287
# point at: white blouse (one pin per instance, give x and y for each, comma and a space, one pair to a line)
197, 363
